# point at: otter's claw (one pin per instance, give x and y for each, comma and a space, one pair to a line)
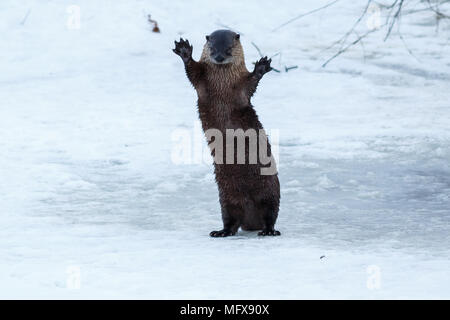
183, 49
269, 232
221, 233
262, 67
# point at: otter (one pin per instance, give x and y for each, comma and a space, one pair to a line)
248, 198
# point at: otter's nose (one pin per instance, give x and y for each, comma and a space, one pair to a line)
219, 58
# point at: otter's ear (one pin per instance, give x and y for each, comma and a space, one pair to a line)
237, 36
207, 38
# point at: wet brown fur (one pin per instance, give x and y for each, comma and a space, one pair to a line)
248, 199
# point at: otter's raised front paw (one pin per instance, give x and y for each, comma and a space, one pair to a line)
269, 232
221, 233
262, 67
183, 49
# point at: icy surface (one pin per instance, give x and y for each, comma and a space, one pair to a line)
87, 182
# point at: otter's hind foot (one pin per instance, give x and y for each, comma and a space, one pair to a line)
222, 233
269, 232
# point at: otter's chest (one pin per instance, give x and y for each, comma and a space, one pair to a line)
221, 99
217, 114
224, 115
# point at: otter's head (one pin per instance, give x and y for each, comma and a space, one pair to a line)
222, 47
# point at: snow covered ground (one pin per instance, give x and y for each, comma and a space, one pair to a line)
91, 205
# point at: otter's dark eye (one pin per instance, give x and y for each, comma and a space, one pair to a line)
228, 52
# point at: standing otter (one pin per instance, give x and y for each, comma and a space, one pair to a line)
249, 198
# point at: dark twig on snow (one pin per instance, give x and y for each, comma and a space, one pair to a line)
257, 49
344, 38
394, 19
435, 9
406, 46
276, 54
154, 23
220, 24
304, 14
395, 10
290, 68
342, 50
261, 55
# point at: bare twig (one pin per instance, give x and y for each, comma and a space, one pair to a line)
154, 23
435, 9
391, 9
257, 49
395, 10
286, 68
261, 55
342, 50
347, 34
220, 24
26, 17
406, 46
394, 19
304, 14
276, 54
361, 42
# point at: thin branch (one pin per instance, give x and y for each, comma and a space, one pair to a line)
406, 46
26, 17
396, 10
261, 55
397, 14
154, 23
257, 49
362, 45
439, 14
391, 9
392, 5
220, 24
304, 14
342, 50
346, 35
276, 54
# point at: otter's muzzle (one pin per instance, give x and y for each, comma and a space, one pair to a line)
219, 58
